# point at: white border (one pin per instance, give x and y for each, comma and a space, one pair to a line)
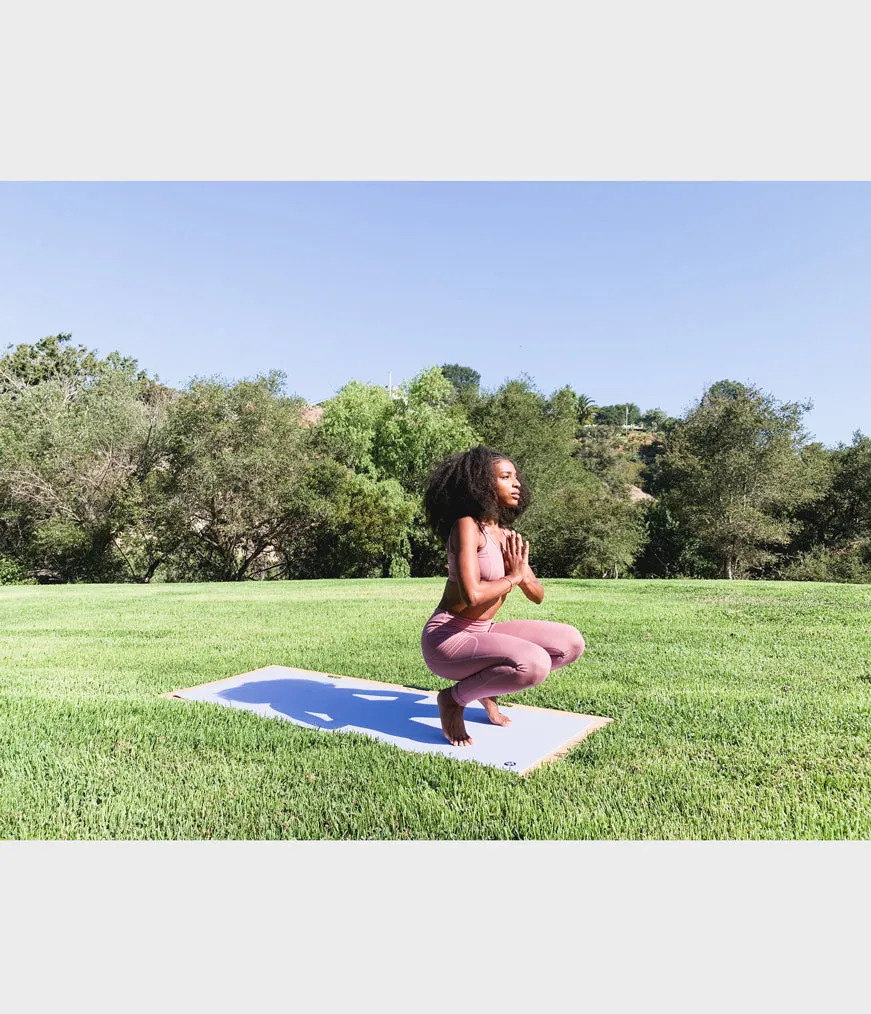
484, 91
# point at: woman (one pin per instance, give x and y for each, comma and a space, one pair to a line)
471, 499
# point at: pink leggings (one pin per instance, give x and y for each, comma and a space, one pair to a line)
488, 658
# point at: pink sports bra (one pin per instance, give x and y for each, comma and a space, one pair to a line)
490, 561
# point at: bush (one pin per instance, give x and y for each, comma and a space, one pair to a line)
12, 572
845, 565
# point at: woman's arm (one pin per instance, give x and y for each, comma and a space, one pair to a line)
531, 586
473, 591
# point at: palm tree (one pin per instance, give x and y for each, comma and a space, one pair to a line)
586, 410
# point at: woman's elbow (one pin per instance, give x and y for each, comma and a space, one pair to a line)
470, 597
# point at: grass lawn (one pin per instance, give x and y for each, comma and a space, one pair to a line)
741, 710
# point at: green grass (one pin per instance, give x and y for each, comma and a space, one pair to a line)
742, 710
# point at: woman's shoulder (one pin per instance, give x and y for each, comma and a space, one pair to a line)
466, 527
468, 523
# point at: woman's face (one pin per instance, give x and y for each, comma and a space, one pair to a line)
507, 483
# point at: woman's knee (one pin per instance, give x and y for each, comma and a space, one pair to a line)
571, 645
575, 646
533, 666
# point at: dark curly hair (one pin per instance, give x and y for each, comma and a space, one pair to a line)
463, 485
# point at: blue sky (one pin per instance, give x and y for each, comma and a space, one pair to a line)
644, 292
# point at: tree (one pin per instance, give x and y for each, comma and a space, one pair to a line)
587, 409
233, 487
466, 382
517, 420
833, 540
563, 405
349, 424
670, 550
733, 470
363, 529
423, 427
78, 434
846, 509
395, 438
55, 358
654, 419
625, 414
577, 525
602, 450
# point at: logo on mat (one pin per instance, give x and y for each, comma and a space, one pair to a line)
510, 764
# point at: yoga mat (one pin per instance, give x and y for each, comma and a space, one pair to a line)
406, 718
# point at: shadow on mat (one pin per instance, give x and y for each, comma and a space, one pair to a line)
308, 700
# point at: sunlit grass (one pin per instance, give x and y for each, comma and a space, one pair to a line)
742, 710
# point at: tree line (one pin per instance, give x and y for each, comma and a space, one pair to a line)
108, 475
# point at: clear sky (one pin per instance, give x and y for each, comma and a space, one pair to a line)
643, 292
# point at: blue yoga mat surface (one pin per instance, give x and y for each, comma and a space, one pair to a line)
405, 718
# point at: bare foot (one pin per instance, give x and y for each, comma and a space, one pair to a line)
493, 713
451, 715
